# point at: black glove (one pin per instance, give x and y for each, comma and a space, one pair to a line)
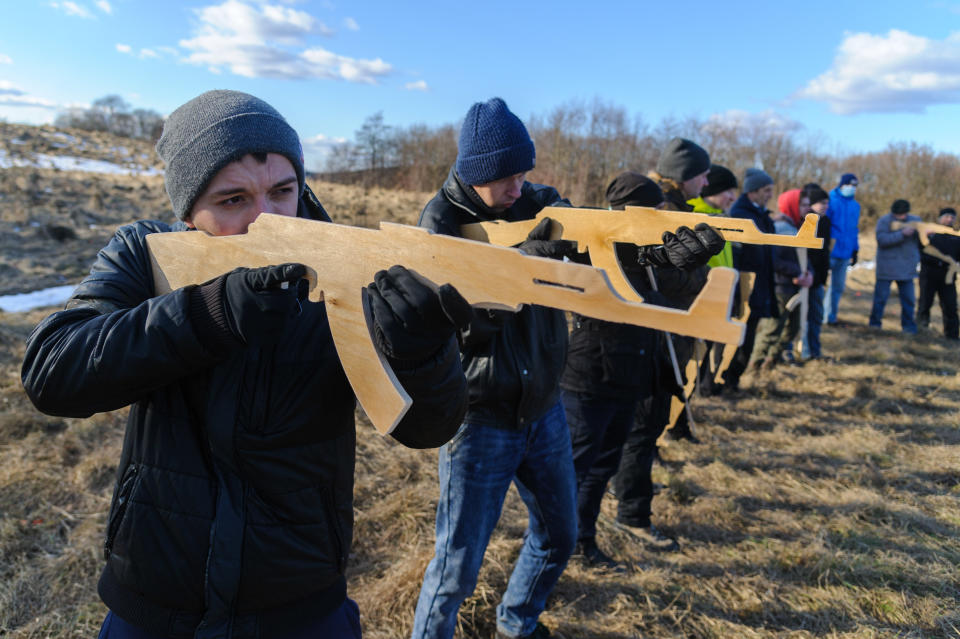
538, 243
411, 321
853, 258
249, 306
686, 249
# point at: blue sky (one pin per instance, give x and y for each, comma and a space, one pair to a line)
862, 74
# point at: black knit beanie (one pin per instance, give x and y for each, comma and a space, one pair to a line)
682, 159
211, 131
633, 189
719, 179
899, 207
493, 144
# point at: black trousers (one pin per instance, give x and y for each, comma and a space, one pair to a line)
933, 283
598, 429
731, 376
633, 484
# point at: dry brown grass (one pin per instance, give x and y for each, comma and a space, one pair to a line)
824, 502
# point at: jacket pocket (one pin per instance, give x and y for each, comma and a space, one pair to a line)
119, 509
622, 363
295, 543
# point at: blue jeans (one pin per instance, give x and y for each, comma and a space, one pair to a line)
838, 280
598, 429
811, 339
476, 468
908, 300
342, 623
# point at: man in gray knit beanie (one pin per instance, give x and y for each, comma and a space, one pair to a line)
217, 128
239, 450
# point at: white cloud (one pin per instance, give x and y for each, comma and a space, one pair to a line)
317, 148
5, 59
72, 9
268, 41
351, 24
768, 120
897, 72
104, 6
148, 53
123, 48
168, 50
14, 96
320, 141
419, 85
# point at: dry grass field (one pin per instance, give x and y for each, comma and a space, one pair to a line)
824, 500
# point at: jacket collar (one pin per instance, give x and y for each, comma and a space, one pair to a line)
465, 197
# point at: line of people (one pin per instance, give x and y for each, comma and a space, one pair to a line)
232, 512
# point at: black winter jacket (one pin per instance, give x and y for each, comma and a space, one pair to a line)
819, 259
949, 245
233, 510
756, 258
624, 361
512, 361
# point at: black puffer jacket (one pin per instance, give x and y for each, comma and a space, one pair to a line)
624, 361
512, 361
233, 510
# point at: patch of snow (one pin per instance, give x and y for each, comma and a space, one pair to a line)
55, 296
66, 137
69, 163
868, 265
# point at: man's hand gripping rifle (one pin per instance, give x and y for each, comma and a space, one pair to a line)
342, 260
596, 231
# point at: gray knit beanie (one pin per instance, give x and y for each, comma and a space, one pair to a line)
211, 131
682, 160
755, 179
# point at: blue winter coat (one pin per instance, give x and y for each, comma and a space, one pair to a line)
844, 214
897, 254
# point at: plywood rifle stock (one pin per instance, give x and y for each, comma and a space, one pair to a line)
342, 260
924, 229
597, 230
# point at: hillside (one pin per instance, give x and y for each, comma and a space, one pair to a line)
824, 500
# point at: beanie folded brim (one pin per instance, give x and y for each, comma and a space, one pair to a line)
191, 171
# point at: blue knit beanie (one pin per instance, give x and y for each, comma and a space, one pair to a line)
211, 131
847, 178
493, 144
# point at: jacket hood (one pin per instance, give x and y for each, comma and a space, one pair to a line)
789, 204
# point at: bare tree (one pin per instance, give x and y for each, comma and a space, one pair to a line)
374, 144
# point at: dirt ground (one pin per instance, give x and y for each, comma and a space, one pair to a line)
824, 500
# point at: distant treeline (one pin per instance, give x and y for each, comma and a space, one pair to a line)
112, 114
581, 147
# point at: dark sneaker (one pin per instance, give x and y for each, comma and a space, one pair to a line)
540, 632
681, 429
588, 551
678, 434
653, 538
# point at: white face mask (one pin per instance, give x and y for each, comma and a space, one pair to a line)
847, 190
